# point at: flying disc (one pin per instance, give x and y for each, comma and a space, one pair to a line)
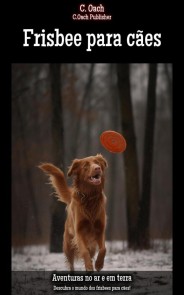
113, 141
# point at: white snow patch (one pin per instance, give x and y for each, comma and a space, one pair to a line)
118, 258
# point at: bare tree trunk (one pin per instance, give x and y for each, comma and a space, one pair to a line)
80, 110
130, 155
169, 84
87, 101
144, 214
113, 118
58, 209
27, 173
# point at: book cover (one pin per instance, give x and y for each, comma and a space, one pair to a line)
100, 218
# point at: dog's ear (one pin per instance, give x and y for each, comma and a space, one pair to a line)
74, 167
102, 160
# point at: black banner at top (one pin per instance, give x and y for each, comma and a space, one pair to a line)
87, 32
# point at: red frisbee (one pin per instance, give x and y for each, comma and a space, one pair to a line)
113, 141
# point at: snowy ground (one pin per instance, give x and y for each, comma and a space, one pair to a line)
118, 258
151, 271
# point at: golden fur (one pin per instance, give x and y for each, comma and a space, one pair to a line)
86, 217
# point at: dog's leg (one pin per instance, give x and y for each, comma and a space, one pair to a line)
84, 253
101, 254
69, 250
69, 256
83, 229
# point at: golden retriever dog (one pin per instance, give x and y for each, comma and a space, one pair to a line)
86, 216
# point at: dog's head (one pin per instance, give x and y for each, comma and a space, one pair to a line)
89, 170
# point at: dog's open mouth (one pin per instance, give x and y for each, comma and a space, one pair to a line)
95, 179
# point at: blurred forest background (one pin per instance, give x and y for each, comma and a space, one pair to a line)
58, 114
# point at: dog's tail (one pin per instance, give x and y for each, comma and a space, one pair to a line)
58, 181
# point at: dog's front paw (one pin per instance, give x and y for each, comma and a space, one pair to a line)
99, 264
90, 269
89, 266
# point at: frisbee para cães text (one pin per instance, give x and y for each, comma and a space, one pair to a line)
113, 141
